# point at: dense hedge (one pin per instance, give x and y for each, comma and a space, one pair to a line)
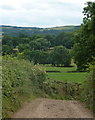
61, 89
87, 92
84, 92
21, 81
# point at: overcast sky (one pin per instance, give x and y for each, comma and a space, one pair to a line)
42, 13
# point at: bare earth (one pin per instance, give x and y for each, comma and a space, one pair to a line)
49, 108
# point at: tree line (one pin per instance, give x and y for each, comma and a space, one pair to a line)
56, 50
30, 31
84, 39
42, 49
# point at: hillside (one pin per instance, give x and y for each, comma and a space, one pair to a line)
14, 30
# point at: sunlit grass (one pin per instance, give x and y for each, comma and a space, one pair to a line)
69, 77
66, 74
61, 69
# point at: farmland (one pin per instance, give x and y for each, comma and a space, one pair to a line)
68, 74
37, 63
14, 30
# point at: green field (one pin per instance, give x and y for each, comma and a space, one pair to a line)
65, 74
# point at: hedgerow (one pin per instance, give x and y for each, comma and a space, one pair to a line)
21, 80
87, 91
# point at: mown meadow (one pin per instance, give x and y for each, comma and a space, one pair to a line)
69, 74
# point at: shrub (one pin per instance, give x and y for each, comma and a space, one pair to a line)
87, 90
62, 90
21, 80
60, 56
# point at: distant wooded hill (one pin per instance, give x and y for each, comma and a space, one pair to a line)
15, 31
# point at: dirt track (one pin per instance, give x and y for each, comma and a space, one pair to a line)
49, 108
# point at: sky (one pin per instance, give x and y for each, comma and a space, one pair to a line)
41, 13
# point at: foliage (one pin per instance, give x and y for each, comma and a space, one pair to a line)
60, 56
37, 56
7, 49
62, 90
21, 81
22, 47
39, 44
7, 40
84, 48
88, 90
30, 31
36, 42
51, 39
37, 48
64, 39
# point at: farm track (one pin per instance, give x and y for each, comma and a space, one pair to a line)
50, 108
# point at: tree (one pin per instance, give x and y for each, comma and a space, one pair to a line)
50, 38
22, 47
26, 54
38, 56
43, 57
34, 37
84, 48
22, 35
39, 44
60, 56
6, 49
64, 39
35, 54
15, 41
7, 40
24, 40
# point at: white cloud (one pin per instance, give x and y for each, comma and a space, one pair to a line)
42, 13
